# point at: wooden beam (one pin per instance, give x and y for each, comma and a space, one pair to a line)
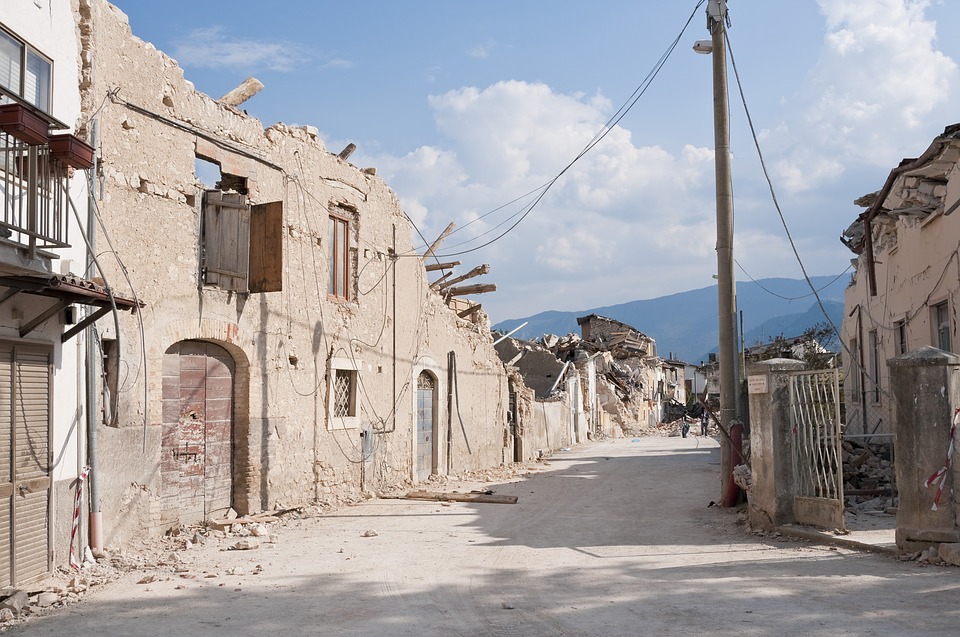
488, 498
477, 271
435, 284
436, 244
480, 288
473, 309
431, 267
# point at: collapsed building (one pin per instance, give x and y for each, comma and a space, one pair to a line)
609, 374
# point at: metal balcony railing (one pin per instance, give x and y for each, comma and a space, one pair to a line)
34, 196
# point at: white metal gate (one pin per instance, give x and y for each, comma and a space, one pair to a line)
817, 459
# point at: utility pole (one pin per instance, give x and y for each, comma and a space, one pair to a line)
726, 308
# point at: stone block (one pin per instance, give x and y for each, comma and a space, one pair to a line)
950, 553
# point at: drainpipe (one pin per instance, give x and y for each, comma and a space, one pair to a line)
96, 515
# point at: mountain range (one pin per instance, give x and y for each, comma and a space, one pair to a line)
684, 325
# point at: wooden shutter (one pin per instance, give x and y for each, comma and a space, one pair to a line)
226, 240
266, 247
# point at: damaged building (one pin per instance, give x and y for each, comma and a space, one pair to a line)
609, 374
257, 327
904, 290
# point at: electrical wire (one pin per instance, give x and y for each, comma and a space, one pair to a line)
615, 119
791, 298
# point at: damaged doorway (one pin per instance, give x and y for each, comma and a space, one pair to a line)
197, 448
426, 424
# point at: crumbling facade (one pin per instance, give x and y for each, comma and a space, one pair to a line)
905, 287
284, 344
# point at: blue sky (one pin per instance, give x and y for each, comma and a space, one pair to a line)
463, 107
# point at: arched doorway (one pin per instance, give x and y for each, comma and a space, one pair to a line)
197, 446
426, 425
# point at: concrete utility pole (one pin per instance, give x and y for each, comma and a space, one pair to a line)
729, 385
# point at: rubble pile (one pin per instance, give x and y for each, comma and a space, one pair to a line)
158, 559
867, 475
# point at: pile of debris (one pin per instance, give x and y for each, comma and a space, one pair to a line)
867, 474
160, 558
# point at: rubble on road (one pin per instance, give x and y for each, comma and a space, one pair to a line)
158, 559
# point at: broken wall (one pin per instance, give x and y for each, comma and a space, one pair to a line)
278, 353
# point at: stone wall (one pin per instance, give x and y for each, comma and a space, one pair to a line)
285, 344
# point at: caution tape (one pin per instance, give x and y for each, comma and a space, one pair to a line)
74, 562
940, 477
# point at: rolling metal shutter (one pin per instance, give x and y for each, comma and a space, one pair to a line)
25, 421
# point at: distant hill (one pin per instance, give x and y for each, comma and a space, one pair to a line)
686, 323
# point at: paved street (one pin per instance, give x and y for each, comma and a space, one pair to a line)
613, 538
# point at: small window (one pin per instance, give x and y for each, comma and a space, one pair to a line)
338, 258
110, 378
941, 325
857, 356
874, 364
900, 329
343, 382
24, 72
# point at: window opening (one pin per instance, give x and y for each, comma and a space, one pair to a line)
900, 328
24, 71
344, 393
941, 326
338, 258
875, 364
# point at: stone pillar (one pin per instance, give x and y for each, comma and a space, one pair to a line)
926, 389
771, 454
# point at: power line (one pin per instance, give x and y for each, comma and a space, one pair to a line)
597, 138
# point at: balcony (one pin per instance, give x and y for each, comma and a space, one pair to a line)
34, 206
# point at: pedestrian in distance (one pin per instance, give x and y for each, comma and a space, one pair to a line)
704, 422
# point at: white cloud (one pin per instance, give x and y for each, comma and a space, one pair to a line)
879, 78
611, 228
213, 49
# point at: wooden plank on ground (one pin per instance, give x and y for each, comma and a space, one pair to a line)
485, 498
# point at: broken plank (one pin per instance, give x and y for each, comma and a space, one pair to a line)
470, 310
480, 288
432, 267
436, 244
435, 284
477, 271
485, 498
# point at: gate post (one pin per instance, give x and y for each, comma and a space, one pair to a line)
771, 453
926, 390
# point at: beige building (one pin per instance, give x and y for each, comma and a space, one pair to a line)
905, 288
289, 348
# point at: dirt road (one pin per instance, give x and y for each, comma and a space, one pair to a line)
614, 538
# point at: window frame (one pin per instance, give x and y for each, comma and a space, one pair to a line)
338, 257
353, 367
940, 325
873, 340
26, 52
900, 334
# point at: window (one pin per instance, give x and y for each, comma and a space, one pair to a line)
338, 258
900, 328
24, 72
874, 363
857, 356
940, 318
242, 244
343, 380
